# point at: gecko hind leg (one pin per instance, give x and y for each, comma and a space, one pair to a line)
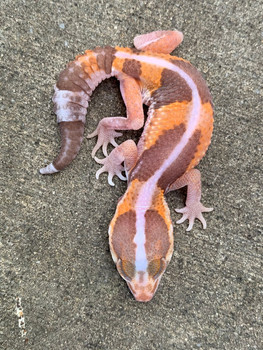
106, 129
105, 136
125, 152
161, 41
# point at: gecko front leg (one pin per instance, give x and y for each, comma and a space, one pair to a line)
106, 129
194, 208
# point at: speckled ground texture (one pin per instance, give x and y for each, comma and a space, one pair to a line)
54, 246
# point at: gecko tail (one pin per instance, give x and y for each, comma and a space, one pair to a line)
71, 138
161, 41
71, 99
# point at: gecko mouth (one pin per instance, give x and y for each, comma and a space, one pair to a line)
143, 293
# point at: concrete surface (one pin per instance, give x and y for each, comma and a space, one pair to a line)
54, 248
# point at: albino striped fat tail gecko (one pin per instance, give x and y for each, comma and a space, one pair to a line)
176, 136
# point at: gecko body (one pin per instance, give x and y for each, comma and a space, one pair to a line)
175, 137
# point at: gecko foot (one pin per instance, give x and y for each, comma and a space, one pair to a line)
113, 166
105, 136
191, 212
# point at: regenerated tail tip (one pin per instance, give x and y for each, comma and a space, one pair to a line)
49, 169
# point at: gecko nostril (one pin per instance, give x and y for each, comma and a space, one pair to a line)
149, 288
144, 297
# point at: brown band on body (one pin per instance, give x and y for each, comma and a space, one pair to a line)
71, 138
196, 76
179, 166
132, 68
151, 159
157, 236
136, 51
173, 89
105, 57
122, 236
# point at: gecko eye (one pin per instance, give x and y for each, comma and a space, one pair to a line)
156, 268
126, 269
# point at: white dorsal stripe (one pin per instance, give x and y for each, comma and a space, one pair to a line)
145, 197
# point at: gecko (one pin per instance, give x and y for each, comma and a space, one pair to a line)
176, 135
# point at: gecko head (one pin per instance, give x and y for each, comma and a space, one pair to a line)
143, 280
141, 244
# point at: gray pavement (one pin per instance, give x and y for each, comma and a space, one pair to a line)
53, 246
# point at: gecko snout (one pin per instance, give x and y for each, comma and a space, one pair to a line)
143, 292
143, 284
